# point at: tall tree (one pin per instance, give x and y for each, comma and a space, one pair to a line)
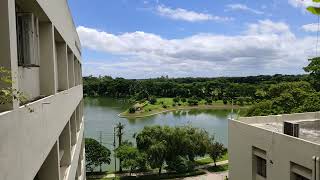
131, 157
216, 151
120, 128
96, 154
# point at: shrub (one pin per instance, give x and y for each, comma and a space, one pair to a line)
180, 165
184, 100
132, 110
209, 101
193, 102
225, 101
152, 100
174, 105
164, 106
179, 104
176, 99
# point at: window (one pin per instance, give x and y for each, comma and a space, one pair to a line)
261, 166
28, 39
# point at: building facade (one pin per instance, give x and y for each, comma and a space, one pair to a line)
42, 138
280, 147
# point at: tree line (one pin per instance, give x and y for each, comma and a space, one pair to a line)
266, 94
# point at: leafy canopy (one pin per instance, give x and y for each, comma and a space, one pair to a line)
96, 154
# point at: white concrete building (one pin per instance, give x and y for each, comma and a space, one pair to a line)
43, 140
281, 147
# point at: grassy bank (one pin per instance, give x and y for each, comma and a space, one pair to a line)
208, 160
162, 105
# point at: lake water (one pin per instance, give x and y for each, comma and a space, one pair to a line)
101, 115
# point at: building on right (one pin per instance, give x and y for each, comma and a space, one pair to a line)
278, 147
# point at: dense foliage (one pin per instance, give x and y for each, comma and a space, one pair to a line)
213, 88
176, 147
96, 154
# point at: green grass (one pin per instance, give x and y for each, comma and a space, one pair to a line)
208, 160
148, 109
220, 168
147, 177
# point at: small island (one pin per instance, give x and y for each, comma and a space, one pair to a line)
155, 106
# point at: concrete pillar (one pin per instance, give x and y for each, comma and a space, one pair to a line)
80, 76
62, 61
71, 69
76, 112
76, 67
8, 46
50, 168
79, 114
65, 149
317, 168
47, 59
73, 126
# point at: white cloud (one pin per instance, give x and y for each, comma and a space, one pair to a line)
301, 3
242, 7
265, 47
186, 15
314, 27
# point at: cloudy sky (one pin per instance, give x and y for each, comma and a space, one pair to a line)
199, 38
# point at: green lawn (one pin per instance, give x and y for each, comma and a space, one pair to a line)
208, 160
220, 168
167, 104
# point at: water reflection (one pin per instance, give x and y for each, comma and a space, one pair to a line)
101, 114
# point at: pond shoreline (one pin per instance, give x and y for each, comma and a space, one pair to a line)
160, 111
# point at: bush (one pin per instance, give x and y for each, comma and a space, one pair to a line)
173, 105
184, 100
193, 102
180, 165
132, 110
164, 106
176, 99
209, 101
241, 101
152, 100
179, 104
225, 101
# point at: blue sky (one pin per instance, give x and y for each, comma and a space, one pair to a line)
179, 38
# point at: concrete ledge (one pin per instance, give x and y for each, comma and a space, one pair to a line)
281, 118
27, 137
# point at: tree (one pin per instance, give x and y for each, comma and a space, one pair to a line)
172, 145
96, 154
314, 69
131, 157
216, 151
120, 128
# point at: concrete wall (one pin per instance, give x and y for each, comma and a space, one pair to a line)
29, 82
281, 151
59, 14
27, 138
281, 118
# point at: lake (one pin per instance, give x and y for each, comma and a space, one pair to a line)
101, 115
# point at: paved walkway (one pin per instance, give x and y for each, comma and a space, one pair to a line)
209, 175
